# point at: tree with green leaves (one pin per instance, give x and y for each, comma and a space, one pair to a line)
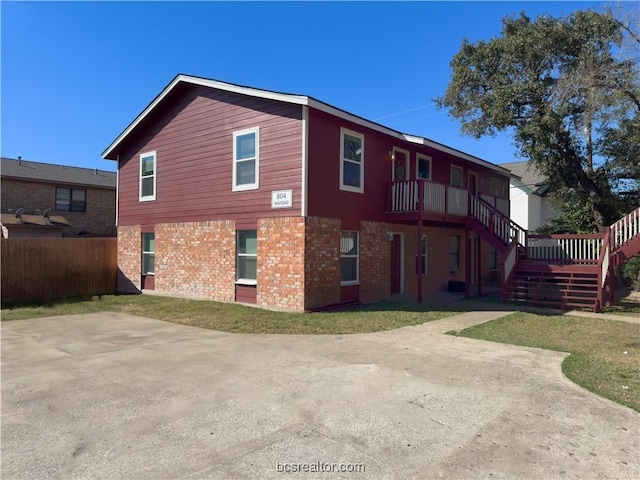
570, 94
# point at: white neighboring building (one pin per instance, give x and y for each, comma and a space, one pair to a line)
528, 194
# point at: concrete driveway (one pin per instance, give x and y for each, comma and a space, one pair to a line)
115, 396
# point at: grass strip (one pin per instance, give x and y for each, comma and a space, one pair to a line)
234, 318
605, 354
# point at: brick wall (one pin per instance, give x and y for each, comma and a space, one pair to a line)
375, 262
100, 217
298, 260
322, 265
129, 259
196, 259
281, 255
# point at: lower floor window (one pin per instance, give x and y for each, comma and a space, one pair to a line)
454, 253
247, 255
423, 255
349, 257
148, 253
493, 259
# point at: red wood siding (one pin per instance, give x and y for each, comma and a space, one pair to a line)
192, 134
325, 199
246, 294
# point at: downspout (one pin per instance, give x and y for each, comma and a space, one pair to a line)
117, 188
479, 263
305, 160
419, 257
420, 269
467, 262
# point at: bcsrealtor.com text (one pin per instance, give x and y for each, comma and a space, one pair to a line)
320, 467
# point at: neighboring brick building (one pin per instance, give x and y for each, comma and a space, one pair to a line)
239, 194
84, 197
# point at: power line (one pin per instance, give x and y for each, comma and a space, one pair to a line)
402, 113
417, 118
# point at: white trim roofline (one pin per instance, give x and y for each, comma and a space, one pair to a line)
293, 99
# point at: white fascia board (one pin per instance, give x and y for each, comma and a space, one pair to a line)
354, 118
457, 153
298, 100
254, 92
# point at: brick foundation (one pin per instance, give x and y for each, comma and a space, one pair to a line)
375, 262
298, 260
129, 259
281, 247
322, 262
196, 259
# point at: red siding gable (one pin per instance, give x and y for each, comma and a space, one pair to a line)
192, 134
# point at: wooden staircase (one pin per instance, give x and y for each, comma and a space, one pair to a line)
556, 271
554, 286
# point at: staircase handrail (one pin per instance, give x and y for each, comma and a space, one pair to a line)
566, 248
625, 229
497, 222
603, 268
507, 266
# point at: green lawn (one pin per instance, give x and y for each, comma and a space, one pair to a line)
229, 317
605, 354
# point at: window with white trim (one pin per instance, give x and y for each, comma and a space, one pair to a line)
351, 161
349, 258
246, 257
423, 254
148, 253
456, 176
423, 167
147, 176
246, 159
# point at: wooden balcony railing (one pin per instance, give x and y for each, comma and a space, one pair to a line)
428, 197
422, 196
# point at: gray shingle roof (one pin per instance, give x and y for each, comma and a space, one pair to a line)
47, 172
529, 176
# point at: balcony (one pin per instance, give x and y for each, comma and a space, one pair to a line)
414, 200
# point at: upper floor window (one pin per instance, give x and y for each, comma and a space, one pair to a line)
423, 167
495, 187
148, 176
246, 159
351, 161
456, 176
71, 199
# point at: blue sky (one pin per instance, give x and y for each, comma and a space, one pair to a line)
75, 74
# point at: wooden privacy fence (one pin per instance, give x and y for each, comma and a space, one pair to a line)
43, 269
